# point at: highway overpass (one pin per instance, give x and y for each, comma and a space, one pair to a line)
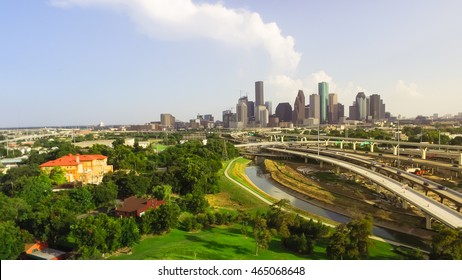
440, 190
430, 207
451, 151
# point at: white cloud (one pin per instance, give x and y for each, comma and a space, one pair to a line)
408, 90
183, 19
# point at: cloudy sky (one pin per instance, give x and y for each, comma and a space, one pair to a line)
79, 62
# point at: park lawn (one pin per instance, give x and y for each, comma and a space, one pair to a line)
159, 147
216, 243
228, 243
383, 251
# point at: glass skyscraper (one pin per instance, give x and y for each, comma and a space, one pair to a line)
323, 91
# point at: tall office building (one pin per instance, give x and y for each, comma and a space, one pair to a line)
269, 106
382, 110
332, 115
341, 112
228, 118
323, 91
273, 121
307, 111
263, 116
299, 109
241, 112
251, 111
361, 106
368, 108
209, 117
167, 120
315, 106
353, 113
375, 107
284, 112
259, 98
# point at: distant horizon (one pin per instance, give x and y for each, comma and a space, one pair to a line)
440, 117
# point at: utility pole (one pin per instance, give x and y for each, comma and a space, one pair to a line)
439, 139
398, 142
319, 127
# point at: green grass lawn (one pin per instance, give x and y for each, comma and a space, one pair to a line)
159, 147
227, 243
217, 243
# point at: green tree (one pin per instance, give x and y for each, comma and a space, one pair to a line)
130, 232
276, 217
12, 209
162, 192
11, 184
245, 220
82, 198
161, 219
447, 244
261, 234
351, 241
57, 176
11, 244
456, 141
131, 184
101, 233
359, 232
105, 193
336, 249
194, 203
35, 189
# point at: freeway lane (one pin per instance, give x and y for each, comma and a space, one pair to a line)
428, 184
436, 210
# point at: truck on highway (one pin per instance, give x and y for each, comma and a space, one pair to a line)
416, 171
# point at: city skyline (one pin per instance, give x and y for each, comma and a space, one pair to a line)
76, 62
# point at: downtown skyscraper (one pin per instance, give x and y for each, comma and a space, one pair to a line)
259, 99
332, 109
323, 91
299, 109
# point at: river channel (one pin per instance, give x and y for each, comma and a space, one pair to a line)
272, 188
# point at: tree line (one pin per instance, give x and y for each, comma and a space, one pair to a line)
31, 211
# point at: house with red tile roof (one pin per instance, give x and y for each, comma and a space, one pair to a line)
135, 206
87, 169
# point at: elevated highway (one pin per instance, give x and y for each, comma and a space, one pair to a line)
30, 137
430, 207
453, 152
428, 185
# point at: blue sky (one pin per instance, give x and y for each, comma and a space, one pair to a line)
79, 62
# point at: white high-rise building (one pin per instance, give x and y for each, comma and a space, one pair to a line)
263, 116
241, 112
